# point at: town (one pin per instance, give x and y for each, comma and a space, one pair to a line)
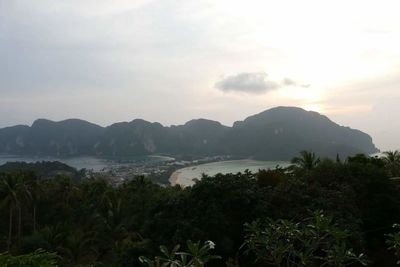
158, 171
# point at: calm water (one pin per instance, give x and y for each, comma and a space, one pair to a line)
90, 163
186, 175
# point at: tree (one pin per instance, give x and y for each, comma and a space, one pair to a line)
305, 162
77, 246
315, 241
34, 192
39, 258
198, 255
23, 196
392, 162
393, 241
9, 192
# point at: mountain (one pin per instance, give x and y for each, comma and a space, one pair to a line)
135, 138
284, 131
278, 133
45, 137
204, 137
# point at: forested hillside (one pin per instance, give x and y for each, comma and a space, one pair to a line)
318, 212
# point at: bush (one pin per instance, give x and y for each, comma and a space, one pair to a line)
39, 258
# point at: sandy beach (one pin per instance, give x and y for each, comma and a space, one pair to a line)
188, 176
174, 177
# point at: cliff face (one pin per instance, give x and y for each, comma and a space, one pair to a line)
278, 133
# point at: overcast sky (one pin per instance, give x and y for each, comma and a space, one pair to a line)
171, 61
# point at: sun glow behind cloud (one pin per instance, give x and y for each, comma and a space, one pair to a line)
327, 45
324, 42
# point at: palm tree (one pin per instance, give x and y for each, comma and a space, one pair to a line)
306, 161
9, 190
77, 245
113, 211
23, 198
392, 162
54, 235
140, 181
33, 192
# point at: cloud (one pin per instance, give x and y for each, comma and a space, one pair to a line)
254, 83
247, 82
290, 82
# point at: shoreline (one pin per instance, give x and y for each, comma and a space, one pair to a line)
173, 178
232, 166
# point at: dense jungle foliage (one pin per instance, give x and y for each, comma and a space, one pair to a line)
318, 212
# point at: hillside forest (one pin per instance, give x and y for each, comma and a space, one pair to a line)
317, 212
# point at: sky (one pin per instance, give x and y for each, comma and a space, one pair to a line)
170, 61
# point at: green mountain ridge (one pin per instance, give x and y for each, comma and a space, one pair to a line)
275, 134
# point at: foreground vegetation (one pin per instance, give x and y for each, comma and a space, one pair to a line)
318, 212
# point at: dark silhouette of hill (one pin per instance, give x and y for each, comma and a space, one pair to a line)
44, 169
284, 131
277, 133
